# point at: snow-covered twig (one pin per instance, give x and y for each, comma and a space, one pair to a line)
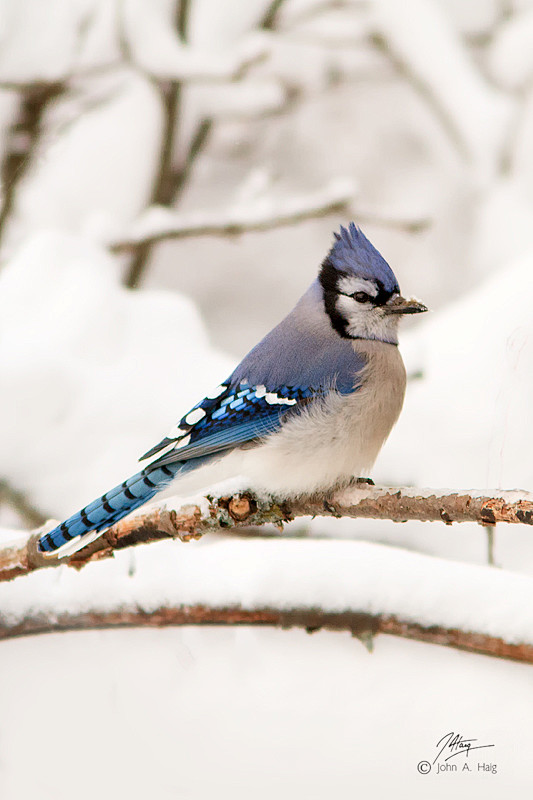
364, 626
215, 514
160, 223
340, 585
433, 58
166, 181
160, 52
409, 224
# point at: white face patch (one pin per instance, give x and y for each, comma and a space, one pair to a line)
194, 416
350, 285
365, 321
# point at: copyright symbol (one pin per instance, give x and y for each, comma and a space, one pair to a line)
424, 767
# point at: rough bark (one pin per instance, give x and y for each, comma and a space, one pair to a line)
192, 520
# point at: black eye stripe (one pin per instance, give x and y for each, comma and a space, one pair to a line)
329, 278
380, 299
360, 296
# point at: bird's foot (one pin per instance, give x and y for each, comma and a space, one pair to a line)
330, 507
362, 481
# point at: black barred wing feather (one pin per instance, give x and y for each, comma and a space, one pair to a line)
228, 417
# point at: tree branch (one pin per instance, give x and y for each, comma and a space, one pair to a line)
422, 87
353, 586
363, 626
215, 514
163, 189
269, 20
158, 224
23, 136
18, 501
414, 224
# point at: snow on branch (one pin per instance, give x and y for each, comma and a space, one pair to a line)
355, 586
159, 223
156, 48
433, 58
363, 626
218, 513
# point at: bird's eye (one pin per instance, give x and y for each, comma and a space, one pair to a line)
361, 297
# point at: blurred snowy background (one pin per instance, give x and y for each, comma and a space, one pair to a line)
171, 174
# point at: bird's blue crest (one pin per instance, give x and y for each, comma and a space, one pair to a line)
353, 253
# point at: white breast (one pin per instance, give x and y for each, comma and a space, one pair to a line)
334, 440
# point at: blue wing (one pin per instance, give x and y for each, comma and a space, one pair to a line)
238, 414
283, 372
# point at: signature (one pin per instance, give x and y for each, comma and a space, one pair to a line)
454, 744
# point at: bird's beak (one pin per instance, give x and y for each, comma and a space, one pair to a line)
399, 305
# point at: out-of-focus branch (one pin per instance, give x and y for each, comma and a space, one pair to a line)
363, 626
414, 224
197, 145
158, 224
310, 11
403, 69
184, 66
269, 20
164, 186
162, 53
22, 139
170, 179
192, 521
477, 118
21, 505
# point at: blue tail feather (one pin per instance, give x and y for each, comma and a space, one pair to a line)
115, 504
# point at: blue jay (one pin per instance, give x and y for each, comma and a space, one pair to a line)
306, 410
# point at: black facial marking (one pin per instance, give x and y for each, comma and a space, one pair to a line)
383, 296
329, 278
